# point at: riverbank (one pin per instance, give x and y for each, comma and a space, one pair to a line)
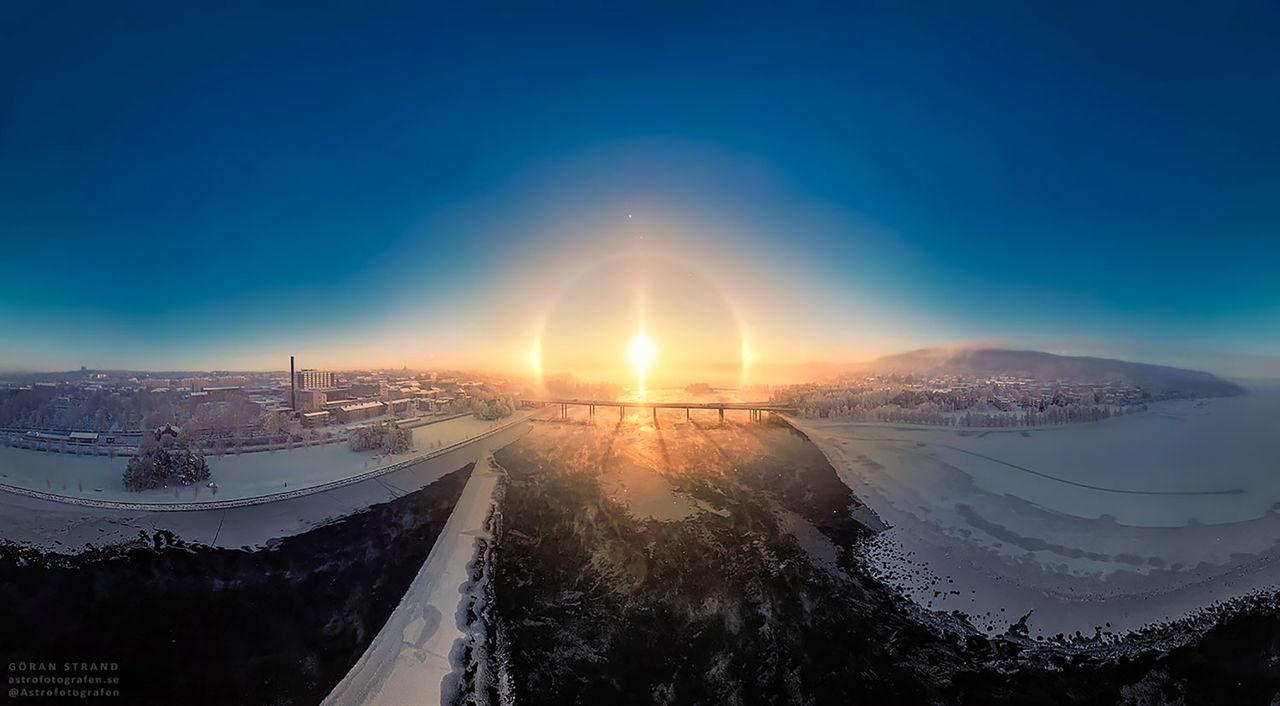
249, 522
1111, 525
190, 623
765, 588
96, 480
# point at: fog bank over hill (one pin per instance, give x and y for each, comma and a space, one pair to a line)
983, 362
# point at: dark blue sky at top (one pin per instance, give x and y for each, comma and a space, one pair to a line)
1078, 162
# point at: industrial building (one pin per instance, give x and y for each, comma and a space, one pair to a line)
223, 392
311, 400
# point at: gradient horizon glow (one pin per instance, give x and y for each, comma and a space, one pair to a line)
215, 187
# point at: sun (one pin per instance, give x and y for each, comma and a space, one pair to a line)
641, 352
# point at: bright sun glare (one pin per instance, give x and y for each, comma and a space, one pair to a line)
641, 352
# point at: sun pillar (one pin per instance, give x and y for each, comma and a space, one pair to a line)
641, 352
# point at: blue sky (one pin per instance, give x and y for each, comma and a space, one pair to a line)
215, 184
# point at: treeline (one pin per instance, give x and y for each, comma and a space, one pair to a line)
962, 408
931, 414
383, 435
156, 466
71, 408
492, 407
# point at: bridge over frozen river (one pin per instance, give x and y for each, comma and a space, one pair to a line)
757, 410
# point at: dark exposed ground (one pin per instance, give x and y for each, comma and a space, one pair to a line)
594, 605
199, 625
759, 598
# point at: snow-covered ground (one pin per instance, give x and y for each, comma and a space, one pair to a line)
1125, 521
413, 659
69, 527
236, 476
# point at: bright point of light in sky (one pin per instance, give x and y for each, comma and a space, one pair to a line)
641, 352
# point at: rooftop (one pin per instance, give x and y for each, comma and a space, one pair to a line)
359, 406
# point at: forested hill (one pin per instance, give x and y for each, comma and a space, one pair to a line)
983, 362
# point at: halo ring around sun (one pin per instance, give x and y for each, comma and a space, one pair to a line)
536, 354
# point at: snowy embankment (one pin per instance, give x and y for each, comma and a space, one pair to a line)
95, 480
417, 657
71, 526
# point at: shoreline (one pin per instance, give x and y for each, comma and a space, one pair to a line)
980, 546
71, 528
208, 505
239, 479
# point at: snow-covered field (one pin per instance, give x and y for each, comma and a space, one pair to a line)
1121, 522
236, 476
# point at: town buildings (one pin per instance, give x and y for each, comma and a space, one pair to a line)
358, 411
311, 420
311, 400
315, 379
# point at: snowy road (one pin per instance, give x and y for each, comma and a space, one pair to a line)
414, 657
245, 479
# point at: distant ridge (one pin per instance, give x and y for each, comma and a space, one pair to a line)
1048, 366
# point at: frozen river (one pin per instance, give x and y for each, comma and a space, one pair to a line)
1125, 521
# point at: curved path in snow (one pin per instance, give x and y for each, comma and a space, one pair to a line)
258, 500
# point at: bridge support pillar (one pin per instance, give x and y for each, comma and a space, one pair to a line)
722, 415
621, 410
686, 414
655, 416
